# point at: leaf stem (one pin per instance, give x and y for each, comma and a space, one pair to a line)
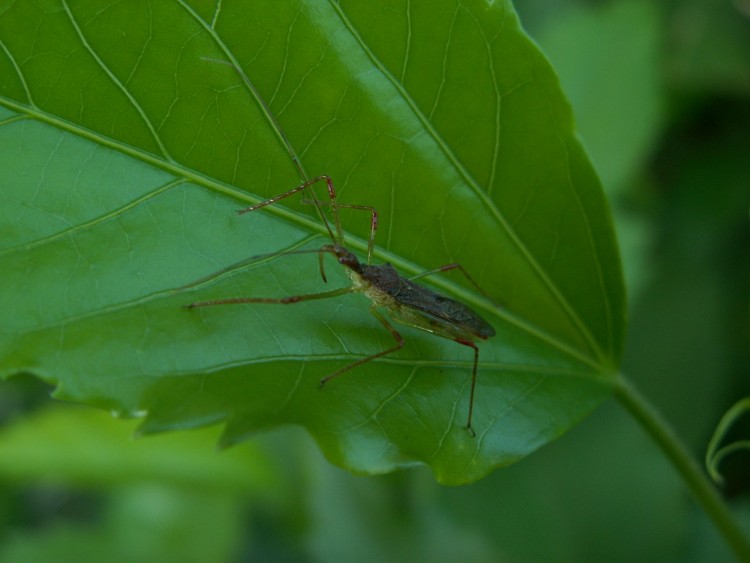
703, 490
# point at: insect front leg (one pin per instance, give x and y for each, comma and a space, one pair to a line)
335, 206
338, 237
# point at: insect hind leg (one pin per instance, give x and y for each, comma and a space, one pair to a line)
470, 344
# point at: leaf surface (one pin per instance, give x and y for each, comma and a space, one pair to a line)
126, 150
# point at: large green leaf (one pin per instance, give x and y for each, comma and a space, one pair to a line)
125, 153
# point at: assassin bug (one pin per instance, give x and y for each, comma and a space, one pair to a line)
404, 301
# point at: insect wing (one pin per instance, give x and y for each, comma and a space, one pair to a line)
443, 308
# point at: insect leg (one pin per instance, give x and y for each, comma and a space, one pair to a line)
279, 300
279, 197
338, 237
373, 220
399, 344
470, 344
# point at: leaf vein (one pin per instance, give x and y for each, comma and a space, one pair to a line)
17, 68
116, 81
93, 222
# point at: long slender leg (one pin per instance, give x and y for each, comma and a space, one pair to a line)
459, 267
470, 344
373, 221
331, 194
279, 300
256, 258
397, 337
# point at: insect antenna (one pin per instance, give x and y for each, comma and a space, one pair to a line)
338, 237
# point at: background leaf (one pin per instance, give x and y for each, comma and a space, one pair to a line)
721, 446
619, 100
174, 497
126, 153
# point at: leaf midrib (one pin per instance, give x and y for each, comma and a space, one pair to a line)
284, 213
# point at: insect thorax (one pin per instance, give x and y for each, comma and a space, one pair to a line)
379, 283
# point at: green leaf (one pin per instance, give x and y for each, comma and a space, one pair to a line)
617, 95
89, 448
172, 496
126, 152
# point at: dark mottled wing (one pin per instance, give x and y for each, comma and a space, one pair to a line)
427, 301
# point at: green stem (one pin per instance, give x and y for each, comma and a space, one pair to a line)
704, 491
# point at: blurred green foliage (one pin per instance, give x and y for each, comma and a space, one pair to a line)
666, 124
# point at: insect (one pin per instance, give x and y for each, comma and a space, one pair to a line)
403, 300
